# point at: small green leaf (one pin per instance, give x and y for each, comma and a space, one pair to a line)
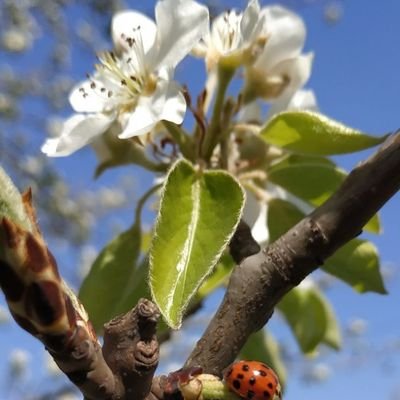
312, 182
333, 336
198, 215
262, 346
114, 283
312, 133
357, 263
312, 179
110, 275
282, 215
374, 225
306, 313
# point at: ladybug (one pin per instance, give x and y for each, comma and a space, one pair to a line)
253, 380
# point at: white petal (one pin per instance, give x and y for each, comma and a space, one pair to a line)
225, 32
125, 22
175, 104
93, 96
301, 100
255, 215
250, 20
77, 131
167, 103
260, 230
250, 113
180, 26
142, 120
251, 209
286, 35
297, 69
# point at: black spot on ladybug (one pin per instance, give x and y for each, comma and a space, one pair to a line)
245, 367
270, 385
266, 394
239, 376
250, 394
262, 373
252, 380
236, 384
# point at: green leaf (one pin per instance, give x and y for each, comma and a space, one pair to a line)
357, 263
333, 336
305, 311
282, 215
312, 182
114, 283
312, 133
198, 215
262, 346
110, 276
374, 225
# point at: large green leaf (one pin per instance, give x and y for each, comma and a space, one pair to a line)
356, 263
115, 283
198, 215
262, 346
310, 317
111, 274
312, 133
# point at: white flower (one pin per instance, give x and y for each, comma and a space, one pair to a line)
255, 212
134, 86
280, 68
234, 37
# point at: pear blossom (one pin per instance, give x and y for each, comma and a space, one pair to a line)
255, 211
280, 68
234, 38
133, 87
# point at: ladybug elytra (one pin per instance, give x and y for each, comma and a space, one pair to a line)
253, 380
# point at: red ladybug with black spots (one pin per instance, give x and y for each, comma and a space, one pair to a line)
253, 380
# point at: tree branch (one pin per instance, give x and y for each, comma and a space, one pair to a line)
42, 304
261, 280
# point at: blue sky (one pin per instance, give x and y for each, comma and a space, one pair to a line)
356, 79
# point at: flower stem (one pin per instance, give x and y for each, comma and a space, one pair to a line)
182, 139
213, 133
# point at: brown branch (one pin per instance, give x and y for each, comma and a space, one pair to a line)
42, 304
260, 281
131, 348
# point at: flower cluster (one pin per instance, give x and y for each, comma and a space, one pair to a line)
133, 86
